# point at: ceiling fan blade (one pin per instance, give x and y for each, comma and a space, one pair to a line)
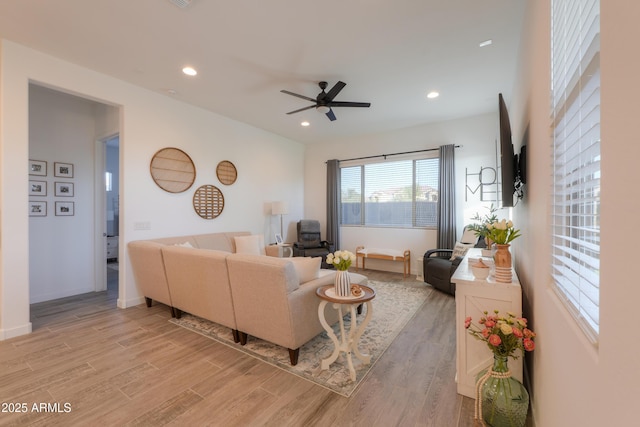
299, 96
334, 91
301, 109
330, 114
350, 104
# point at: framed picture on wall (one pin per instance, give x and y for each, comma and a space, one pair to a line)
37, 208
65, 209
37, 188
37, 167
64, 189
63, 170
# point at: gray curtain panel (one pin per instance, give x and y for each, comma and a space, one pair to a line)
447, 199
333, 202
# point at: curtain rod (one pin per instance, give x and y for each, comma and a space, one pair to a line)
394, 154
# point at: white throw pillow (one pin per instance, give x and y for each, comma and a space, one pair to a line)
184, 245
469, 236
460, 250
253, 244
307, 268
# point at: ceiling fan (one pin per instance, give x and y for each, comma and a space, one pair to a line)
324, 101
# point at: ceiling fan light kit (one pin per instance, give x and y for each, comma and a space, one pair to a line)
324, 101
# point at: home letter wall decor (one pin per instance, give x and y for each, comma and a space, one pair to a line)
485, 182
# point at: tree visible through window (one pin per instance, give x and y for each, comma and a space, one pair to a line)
400, 193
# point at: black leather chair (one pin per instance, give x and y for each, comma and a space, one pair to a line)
438, 267
310, 243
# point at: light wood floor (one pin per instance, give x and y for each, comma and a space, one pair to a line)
115, 367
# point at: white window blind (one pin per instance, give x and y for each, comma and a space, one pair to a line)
401, 193
575, 79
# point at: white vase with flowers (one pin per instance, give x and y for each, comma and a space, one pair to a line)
342, 260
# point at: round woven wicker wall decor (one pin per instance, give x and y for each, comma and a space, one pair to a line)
208, 201
226, 172
173, 170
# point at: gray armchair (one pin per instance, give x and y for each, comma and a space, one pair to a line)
438, 266
310, 243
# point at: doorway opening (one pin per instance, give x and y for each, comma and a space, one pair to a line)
67, 228
112, 213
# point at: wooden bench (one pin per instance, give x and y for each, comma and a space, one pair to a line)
384, 254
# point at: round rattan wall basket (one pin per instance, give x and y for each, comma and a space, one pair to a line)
208, 201
226, 172
173, 170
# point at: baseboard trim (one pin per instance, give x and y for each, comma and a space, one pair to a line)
122, 303
35, 299
6, 334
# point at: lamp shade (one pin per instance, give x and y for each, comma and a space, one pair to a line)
279, 208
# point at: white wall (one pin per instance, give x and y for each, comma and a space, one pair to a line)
573, 381
62, 129
477, 136
269, 168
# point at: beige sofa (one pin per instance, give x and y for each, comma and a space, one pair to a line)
263, 296
199, 284
148, 265
275, 302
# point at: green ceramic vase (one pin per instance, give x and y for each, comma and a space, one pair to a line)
504, 400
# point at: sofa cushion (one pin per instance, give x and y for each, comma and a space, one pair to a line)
175, 240
469, 236
460, 250
307, 268
219, 241
184, 245
252, 244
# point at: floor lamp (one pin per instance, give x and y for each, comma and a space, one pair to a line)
280, 208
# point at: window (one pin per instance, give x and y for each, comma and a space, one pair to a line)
400, 193
575, 79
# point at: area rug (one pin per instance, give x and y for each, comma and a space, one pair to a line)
394, 305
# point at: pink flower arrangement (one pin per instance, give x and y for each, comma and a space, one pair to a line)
503, 334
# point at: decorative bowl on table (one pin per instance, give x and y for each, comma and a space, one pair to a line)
480, 270
487, 252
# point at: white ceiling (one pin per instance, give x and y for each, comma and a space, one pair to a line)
390, 53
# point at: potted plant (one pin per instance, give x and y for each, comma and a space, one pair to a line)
502, 233
482, 228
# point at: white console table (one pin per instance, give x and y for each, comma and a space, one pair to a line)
473, 298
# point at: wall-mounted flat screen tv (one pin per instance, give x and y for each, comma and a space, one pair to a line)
507, 158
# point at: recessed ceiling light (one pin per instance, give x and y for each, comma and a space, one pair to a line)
305, 123
486, 43
189, 71
433, 94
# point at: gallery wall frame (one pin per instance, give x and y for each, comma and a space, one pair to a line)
64, 189
37, 188
37, 208
63, 170
37, 167
65, 208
